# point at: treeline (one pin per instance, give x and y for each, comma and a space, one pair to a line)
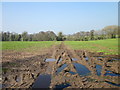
105, 33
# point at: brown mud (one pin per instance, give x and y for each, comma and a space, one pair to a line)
22, 70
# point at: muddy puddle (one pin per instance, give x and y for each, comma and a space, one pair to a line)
74, 59
61, 68
43, 81
81, 69
50, 60
62, 86
86, 58
112, 59
113, 83
110, 73
98, 69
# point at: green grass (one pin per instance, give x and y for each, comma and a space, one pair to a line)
19, 45
108, 46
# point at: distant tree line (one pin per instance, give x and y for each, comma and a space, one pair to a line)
105, 33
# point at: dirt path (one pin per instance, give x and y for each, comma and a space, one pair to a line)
23, 72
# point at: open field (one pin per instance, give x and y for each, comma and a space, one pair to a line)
58, 66
33, 45
108, 46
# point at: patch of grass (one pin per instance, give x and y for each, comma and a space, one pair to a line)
108, 46
20, 45
5, 69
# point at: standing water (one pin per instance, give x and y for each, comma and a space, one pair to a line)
81, 69
43, 81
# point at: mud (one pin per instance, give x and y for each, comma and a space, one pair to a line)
59, 63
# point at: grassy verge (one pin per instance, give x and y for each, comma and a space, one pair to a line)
108, 46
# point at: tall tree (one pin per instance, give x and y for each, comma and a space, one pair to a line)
60, 36
92, 34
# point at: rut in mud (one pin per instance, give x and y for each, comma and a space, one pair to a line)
83, 70
67, 69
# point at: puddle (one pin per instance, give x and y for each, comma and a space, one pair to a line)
86, 58
61, 86
18, 79
61, 68
71, 72
74, 59
112, 59
43, 81
111, 74
81, 69
115, 58
50, 59
98, 69
113, 83
99, 57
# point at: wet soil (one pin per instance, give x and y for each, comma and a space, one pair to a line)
64, 68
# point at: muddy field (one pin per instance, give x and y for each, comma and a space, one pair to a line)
60, 67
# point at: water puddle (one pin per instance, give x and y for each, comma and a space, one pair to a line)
98, 69
61, 68
111, 74
86, 58
99, 57
43, 81
115, 59
18, 79
113, 83
71, 72
81, 69
112, 59
50, 59
74, 59
62, 86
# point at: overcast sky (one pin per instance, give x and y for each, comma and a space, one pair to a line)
68, 17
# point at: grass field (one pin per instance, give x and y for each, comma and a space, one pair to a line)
17, 45
108, 46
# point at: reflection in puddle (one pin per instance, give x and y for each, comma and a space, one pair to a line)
43, 81
113, 83
61, 68
111, 74
98, 69
81, 69
61, 86
50, 59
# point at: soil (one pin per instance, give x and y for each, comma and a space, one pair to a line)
21, 69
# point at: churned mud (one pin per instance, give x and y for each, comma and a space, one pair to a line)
60, 67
